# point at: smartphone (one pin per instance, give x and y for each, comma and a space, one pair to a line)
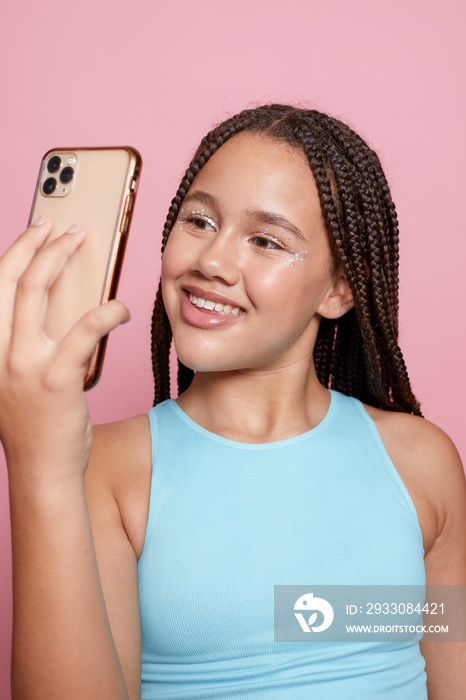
94, 188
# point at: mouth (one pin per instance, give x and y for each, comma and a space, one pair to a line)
213, 306
208, 310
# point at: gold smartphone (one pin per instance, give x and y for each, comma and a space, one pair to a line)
94, 188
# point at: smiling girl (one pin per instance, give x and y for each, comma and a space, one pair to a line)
295, 453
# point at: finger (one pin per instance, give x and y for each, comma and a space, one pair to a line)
18, 256
78, 345
34, 284
14, 262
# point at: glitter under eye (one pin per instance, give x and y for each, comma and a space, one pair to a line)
295, 257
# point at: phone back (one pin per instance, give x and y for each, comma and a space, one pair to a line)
93, 188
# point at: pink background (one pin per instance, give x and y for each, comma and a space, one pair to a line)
156, 76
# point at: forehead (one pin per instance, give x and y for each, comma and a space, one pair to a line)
257, 171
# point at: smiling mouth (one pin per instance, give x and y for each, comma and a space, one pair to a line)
215, 307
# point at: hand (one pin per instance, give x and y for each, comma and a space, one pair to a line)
44, 420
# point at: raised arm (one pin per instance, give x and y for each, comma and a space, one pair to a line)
62, 641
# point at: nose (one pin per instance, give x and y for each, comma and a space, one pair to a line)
219, 258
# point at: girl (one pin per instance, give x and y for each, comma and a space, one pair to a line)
295, 453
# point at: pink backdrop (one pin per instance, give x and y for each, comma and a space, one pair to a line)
157, 75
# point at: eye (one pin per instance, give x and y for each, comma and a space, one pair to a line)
267, 242
205, 223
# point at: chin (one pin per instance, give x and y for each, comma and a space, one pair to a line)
204, 365
200, 360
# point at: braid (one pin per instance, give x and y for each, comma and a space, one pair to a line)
160, 349
358, 353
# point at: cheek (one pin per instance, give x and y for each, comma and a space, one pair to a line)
170, 270
175, 257
290, 279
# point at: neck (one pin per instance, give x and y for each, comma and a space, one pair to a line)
257, 406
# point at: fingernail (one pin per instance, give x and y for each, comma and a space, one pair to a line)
74, 229
38, 222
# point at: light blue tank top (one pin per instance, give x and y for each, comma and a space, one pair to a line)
229, 520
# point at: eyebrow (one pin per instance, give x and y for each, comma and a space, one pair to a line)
265, 217
202, 197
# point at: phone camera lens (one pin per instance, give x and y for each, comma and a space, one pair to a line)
66, 175
49, 185
53, 164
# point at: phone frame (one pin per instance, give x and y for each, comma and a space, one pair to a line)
119, 240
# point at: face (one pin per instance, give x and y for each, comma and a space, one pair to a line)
247, 270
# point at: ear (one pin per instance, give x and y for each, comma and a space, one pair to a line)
338, 300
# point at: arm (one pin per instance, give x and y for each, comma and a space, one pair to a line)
430, 467
62, 642
446, 564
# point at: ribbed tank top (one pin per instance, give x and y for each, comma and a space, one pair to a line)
229, 520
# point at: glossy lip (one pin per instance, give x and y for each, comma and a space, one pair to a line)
211, 296
203, 318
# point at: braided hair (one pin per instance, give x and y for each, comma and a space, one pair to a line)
358, 353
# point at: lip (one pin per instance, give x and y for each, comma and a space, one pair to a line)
210, 296
203, 318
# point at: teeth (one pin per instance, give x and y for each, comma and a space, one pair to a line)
213, 306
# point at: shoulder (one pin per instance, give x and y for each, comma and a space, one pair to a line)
119, 473
420, 445
416, 438
429, 464
118, 446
